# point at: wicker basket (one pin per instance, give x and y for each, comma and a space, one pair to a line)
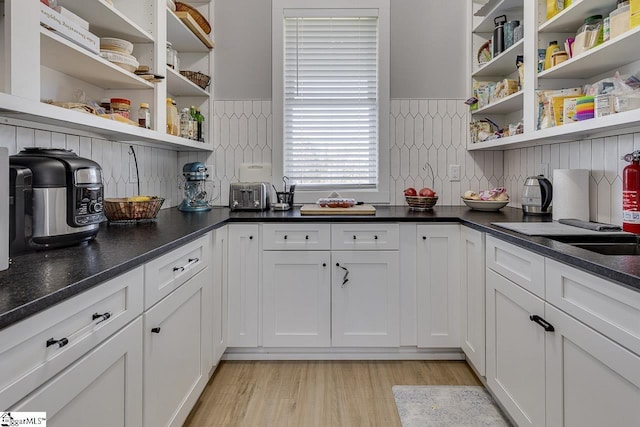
418, 203
197, 78
124, 210
197, 16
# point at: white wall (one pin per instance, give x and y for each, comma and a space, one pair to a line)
428, 48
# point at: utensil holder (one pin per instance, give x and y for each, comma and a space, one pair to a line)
285, 197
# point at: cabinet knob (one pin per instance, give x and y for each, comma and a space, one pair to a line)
306, 237
324, 264
155, 330
424, 237
375, 237
285, 237
250, 237
354, 237
61, 342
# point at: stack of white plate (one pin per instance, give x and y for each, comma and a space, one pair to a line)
118, 52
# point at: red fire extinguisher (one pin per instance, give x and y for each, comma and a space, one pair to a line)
631, 193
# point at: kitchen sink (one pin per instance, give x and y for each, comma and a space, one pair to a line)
607, 244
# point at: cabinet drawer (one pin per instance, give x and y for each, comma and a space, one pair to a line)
31, 350
516, 264
165, 273
289, 236
364, 236
610, 309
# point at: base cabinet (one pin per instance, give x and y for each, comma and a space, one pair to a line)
515, 350
101, 389
365, 299
243, 285
438, 285
472, 297
176, 368
296, 299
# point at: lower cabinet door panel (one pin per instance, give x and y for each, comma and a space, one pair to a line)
591, 380
365, 299
101, 389
515, 350
296, 300
175, 371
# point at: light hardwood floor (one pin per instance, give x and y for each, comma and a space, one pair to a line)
316, 393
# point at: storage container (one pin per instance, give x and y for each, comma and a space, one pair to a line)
619, 21
589, 35
121, 106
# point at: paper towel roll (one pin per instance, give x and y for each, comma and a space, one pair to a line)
571, 194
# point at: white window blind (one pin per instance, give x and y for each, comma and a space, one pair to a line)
331, 104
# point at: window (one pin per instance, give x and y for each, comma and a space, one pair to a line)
330, 93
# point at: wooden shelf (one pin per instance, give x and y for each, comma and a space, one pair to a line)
626, 122
38, 112
505, 105
178, 85
503, 64
570, 19
107, 21
496, 8
603, 58
181, 37
68, 58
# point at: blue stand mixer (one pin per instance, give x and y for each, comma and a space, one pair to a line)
197, 188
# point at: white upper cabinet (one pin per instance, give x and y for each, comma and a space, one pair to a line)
56, 69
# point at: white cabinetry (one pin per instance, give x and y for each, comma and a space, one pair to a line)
472, 296
219, 294
438, 285
103, 388
617, 54
243, 287
55, 68
365, 309
296, 303
567, 355
176, 342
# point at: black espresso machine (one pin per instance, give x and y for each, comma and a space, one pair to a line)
55, 199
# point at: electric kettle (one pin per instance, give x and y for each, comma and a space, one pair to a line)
537, 195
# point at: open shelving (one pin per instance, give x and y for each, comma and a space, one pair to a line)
502, 106
178, 85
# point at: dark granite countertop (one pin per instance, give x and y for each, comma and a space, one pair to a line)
39, 280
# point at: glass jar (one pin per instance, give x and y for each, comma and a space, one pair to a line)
121, 106
185, 123
144, 116
171, 56
172, 118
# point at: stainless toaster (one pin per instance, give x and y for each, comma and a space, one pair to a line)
249, 196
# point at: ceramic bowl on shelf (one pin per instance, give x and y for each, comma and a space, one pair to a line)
485, 205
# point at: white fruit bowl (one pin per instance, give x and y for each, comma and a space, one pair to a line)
485, 205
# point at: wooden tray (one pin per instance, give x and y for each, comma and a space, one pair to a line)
354, 210
195, 28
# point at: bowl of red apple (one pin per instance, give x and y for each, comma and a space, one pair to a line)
420, 200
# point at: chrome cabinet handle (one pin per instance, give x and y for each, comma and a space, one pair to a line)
178, 269
61, 342
193, 260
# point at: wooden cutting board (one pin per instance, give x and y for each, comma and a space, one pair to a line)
354, 210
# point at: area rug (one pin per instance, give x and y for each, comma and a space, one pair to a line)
421, 406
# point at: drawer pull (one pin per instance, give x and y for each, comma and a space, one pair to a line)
193, 260
178, 269
155, 330
354, 237
375, 237
306, 237
61, 342
540, 321
100, 317
285, 237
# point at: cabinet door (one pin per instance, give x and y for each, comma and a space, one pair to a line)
472, 297
515, 350
219, 294
175, 343
101, 389
296, 299
591, 380
438, 285
365, 299
243, 287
